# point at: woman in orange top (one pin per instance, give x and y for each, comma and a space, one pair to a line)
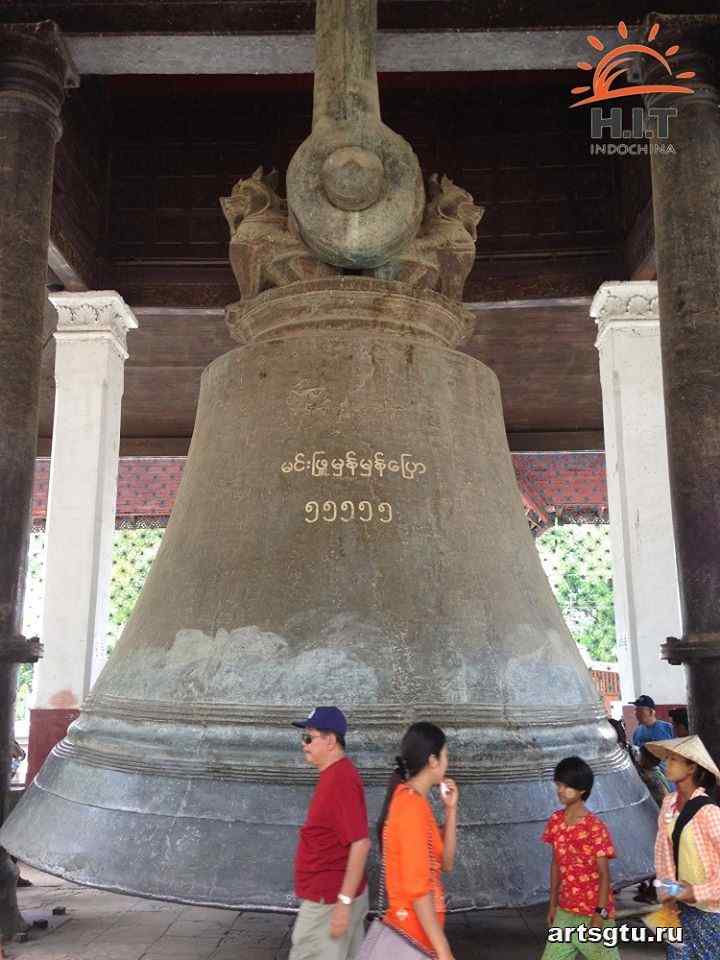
415, 851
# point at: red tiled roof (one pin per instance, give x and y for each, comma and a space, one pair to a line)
549, 483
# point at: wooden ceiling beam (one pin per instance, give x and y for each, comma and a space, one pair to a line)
414, 51
292, 16
559, 441
208, 285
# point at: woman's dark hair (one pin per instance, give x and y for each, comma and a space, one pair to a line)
649, 759
703, 778
421, 741
575, 773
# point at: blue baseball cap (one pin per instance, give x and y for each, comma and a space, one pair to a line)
644, 701
325, 718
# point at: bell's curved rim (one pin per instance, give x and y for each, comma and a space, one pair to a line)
459, 902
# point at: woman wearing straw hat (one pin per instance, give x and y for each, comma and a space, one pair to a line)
687, 848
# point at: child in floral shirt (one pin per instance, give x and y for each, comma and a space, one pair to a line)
581, 902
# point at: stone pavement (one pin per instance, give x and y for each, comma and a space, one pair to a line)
107, 926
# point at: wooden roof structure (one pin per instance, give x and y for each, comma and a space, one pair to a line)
182, 98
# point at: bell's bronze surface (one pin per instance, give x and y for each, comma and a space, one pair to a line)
348, 531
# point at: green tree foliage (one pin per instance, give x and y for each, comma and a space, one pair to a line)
32, 619
133, 554
576, 559
24, 686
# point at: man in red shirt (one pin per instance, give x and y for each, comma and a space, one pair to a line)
334, 844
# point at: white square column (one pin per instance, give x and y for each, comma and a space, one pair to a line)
645, 580
89, 372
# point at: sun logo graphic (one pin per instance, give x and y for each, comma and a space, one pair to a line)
617, 61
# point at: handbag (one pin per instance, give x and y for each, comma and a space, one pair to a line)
383, 942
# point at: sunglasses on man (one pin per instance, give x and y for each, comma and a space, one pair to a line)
307, 738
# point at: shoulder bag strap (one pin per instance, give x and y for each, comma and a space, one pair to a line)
686, 815
381, 897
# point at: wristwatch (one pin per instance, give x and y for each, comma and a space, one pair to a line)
602, 912
343, 898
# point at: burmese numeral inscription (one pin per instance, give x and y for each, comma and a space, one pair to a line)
350, 466
346, 511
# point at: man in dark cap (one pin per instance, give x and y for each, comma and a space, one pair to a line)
333, 847
649, 727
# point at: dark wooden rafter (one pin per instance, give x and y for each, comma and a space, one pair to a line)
81, 195
210, 284
541, 350
238, 16
554, 230
552, 211
292, 54
559, 441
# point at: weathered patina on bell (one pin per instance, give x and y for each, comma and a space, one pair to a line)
348, 530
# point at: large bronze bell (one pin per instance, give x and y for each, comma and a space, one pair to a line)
348, 531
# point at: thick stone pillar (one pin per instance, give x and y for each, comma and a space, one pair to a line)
89, 366
34, 70
686, 203
647, 607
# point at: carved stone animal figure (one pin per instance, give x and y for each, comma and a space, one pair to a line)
265, 250
442, 255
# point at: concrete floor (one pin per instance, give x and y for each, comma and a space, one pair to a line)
106, 926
